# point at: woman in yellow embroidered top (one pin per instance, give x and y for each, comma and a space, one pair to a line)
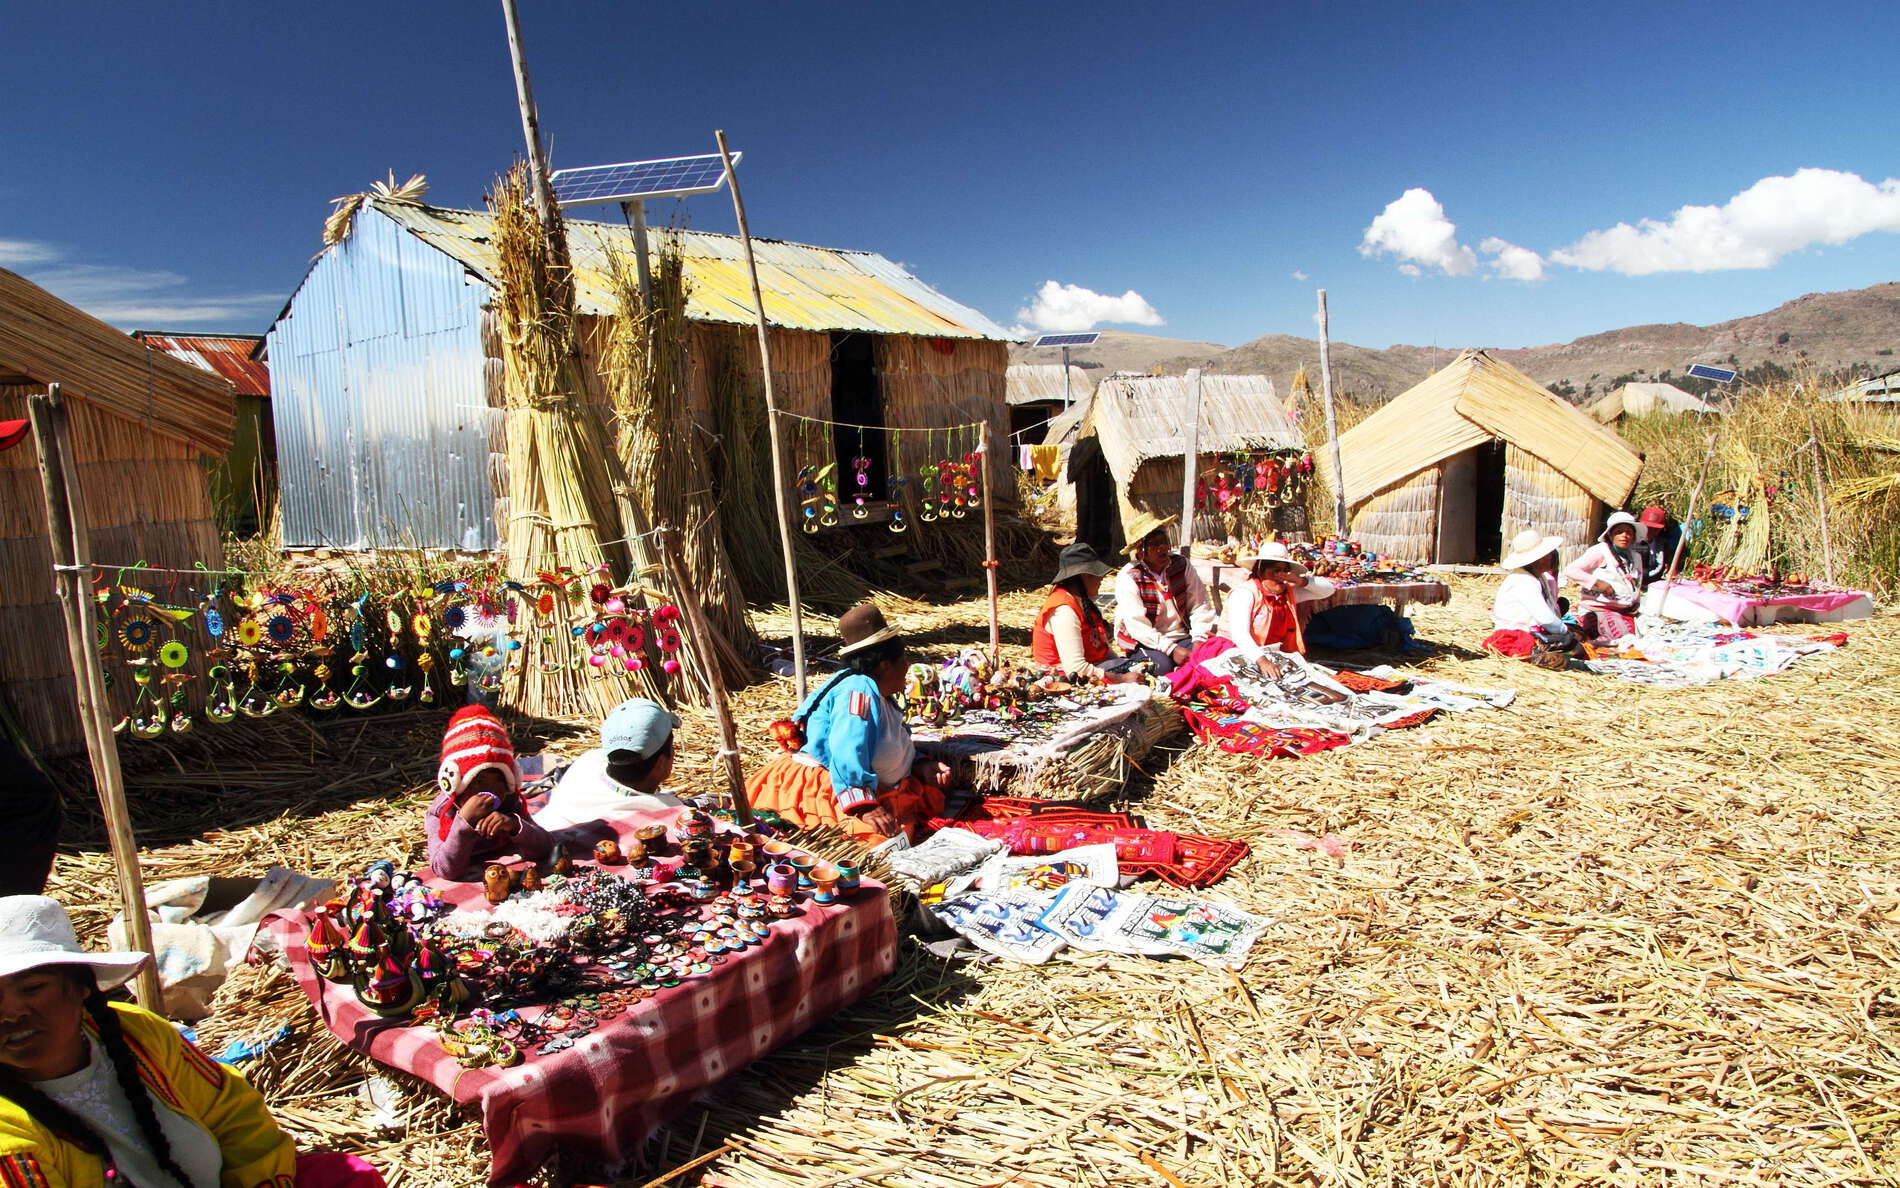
93, 1091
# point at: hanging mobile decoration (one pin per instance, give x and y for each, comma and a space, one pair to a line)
898, 522
147, 717
972, 481
326, 697
426, 662
861, 477
289, 691
137, 632
666, 635
221, 700
181, 720
174, 654
359, 696
255, 701
808, 499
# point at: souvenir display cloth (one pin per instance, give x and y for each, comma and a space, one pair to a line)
1238, 736
1029, 826
1747, 603
1303, 694
1004, 923
1678, 655
1203, 930
947, 853
999, 750
599, 1096
1051, 872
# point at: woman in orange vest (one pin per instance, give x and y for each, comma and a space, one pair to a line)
1264, 610
1071, 635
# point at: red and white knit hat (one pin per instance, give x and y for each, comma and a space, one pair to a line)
475, 741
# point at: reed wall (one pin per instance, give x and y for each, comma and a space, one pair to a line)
1402, 521
147, 498
1539, 496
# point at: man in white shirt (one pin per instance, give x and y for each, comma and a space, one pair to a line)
623, 774
1161, 605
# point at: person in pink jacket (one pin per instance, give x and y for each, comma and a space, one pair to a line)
1610, 576
478, 815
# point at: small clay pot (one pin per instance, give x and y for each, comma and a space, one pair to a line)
607, 853
739, 852
498, 882
531, 880
636, 851
781, 878
653, 837
776, 850
848, 879
562, 863
743, 874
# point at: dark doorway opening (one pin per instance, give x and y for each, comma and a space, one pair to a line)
1490, 501
1098, 512
857, 399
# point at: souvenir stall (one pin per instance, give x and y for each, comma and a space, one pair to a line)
1713, 594
1012, 731
1362, 577
577, 1007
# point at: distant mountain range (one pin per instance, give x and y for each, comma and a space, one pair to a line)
1856, 330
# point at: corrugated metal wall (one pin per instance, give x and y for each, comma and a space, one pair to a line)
380, 406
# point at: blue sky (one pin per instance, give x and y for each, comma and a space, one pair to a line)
170, 165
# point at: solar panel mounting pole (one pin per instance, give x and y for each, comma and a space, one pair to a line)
636, 212
530, 122
1332, 420
1065, 377
771, 424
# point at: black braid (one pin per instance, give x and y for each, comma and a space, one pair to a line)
125, 1066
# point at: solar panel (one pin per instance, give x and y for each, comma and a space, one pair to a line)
1720, 375
636, 180
1068, 340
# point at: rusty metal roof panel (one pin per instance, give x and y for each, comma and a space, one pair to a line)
228, 355
805, 287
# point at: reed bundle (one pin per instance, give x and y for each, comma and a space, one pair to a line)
561, 503
663, 452
1547, 956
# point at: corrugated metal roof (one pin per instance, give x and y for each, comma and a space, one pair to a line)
806, 288
1137, 418
1038, 383
1879, 389
228, 355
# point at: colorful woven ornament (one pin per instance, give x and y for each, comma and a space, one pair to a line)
174, 654
137, 632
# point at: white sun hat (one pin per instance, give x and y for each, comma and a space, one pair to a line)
1618, 520
1272, 550
1527, 546
35, 931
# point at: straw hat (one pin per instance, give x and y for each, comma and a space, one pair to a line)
35, 931
1144, 525
1617, 520
1527, 546
863, 626
1079, 558
1271, 550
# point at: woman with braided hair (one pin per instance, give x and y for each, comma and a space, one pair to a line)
94, 1091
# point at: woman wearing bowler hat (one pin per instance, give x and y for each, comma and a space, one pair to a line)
1071, 635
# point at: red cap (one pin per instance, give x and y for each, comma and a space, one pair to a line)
1653, 517
12, 432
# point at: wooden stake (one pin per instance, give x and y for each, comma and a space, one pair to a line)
1695, 497
1820, 499
1332, 420
1190, 456
530, 120
688, 600
780, 490
989, 545
67, 532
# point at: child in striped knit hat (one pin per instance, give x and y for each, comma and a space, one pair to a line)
478, 814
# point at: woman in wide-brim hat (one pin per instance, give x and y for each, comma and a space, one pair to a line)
1610, 576
1527, 617
1264, 609
97, 1092
850, 764
1071, 635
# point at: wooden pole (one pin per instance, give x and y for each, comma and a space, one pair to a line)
530, 121
989, 545
688, 598
1695, 497
779, 489
1820, 499
67, 532
1332, 419
1190, 456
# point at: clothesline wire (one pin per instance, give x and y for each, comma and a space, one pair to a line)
882, 428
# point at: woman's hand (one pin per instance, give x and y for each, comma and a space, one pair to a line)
879, 818
1179, 653
931, 771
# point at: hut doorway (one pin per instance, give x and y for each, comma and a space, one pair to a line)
1471, 506
1098, 509
857, 399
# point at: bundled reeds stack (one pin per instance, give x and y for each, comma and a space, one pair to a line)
663, 454
562, 514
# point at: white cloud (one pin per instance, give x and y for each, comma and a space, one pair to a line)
1060, 307
1298, 275
1754, 229
131, 298
1511, 261
1414, 228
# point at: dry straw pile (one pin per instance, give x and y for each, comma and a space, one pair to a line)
1611, 935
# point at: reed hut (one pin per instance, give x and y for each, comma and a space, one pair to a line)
385, 369
1037, 395
1127, 445
244, 482
1471, 456
1645, 400
144, 424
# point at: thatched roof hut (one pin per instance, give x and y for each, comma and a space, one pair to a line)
385, 369
1474, 454
1136, 424
1037, 394
1643, 400
143, 425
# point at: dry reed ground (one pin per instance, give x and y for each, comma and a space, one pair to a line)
1612, 934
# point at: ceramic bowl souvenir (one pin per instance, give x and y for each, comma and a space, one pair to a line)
635, 851
607, 853
848, 878
781, 878
653, 837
